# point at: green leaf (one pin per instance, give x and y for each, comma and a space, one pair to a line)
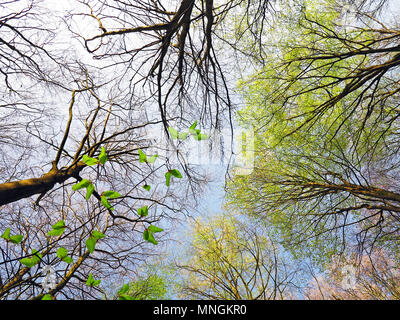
105, 203
124, 289
123, 293
16, 238
36, 256
28, 262
143, 211
60, 224
55, 232
176, 173
96, 283
111, 194
142, 156
92, 282
68, 260
152, 159
89, 191
103, 156
6, 234
167, 178
90, 244
151, 239
92, 240
202, 136
89, 161
183, 135
81, 184
174, 133
192, 127
57, 229
154, 229
62, 253
47, 297
148, 236
89, 280
146, 187
98, 235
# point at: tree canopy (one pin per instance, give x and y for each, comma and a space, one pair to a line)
99, 98
324, 109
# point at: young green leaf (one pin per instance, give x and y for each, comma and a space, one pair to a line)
143, 211
167, 178
92, 282
84, 183
92, 240
183, 135
146, 187
192, 128
27, 262
154, 229
62, 253
6, 234
176, 173
98, 235
47, 297
142, 156
111, 194
57, 229
37, 256
16, 238
89, 161
174, 133
202, 136
30, 262
169, 173
105, 203
148, 236
96, 283
55, 232
89, 191
60, 224
90, 244
151, 239
152, 159
103, 156
67, 260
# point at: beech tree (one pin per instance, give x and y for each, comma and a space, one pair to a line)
233, 260
324, 108
373, 277
84, 185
